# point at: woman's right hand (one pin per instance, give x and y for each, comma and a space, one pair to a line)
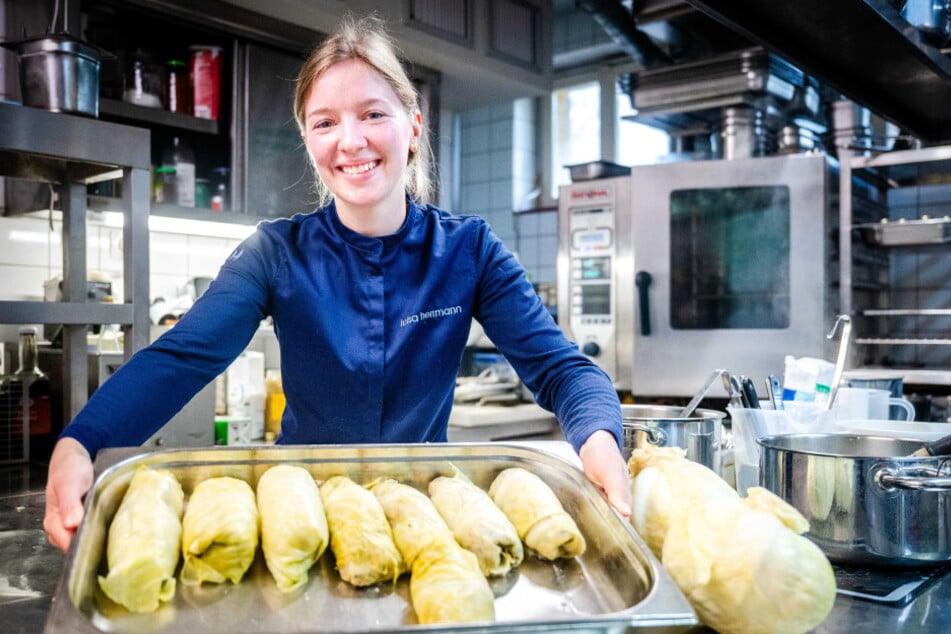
70, 477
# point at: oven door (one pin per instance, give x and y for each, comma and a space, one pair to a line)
736, 254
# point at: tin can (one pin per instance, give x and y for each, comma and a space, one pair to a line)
206, 81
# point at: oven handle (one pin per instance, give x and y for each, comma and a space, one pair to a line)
642, 280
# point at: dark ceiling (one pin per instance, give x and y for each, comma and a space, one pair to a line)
861, 49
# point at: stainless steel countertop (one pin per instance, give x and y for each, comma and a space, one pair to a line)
30, 568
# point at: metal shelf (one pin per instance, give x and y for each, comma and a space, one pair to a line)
155, 116
69, 152
901, 312
903, 341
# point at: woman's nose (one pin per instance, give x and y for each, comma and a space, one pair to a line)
352, 135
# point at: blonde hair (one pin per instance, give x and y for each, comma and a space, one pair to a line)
366, 39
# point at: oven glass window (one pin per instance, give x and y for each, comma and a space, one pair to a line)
729, 258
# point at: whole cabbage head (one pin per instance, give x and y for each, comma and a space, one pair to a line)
664, 483
745, 567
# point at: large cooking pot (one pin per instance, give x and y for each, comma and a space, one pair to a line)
59, 73
662, 426
867, 500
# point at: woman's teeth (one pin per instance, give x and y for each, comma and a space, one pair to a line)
359, 169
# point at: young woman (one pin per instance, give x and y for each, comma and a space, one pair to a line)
371, 297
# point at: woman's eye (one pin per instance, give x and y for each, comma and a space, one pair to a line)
375, 115
321, 125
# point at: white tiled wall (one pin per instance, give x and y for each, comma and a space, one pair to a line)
498, 173
30, 254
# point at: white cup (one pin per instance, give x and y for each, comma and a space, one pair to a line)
860, 403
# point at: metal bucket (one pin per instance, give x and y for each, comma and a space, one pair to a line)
867, 500
59, 73
662, 426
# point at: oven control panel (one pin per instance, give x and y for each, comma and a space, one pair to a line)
591, 265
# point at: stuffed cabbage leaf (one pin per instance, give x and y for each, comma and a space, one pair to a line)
446, 583
360, 537
477, 524
144, 542
294, 531
219, 531
537, 514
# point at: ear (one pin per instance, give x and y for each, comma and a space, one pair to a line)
417, 123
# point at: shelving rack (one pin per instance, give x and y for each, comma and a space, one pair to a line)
70, 152
895, 169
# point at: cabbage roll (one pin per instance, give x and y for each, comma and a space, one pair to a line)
360, 537
446, 584
219, 531
538, 516
477, 524
294, 530
143, 543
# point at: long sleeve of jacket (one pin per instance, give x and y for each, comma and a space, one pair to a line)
145, 392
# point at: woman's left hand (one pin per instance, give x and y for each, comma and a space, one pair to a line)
604, 465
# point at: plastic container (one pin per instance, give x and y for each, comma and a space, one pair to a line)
143, 82
163, 185
220, 199
179, 87
274, 404
180, 156
206, 81
749, 425
807, 379
202, 193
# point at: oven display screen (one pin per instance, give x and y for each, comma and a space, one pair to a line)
595, 268
596, 299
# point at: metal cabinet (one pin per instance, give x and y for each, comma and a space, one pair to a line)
896, 234
71, 152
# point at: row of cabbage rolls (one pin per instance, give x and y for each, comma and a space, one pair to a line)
449, 541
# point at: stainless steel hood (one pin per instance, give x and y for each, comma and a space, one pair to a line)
863, 48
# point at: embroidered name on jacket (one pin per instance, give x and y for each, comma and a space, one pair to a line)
430, 314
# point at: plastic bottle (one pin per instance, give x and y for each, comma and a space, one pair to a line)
25, 401
180, 156
219, 189
179, 87
274, 404
807, 379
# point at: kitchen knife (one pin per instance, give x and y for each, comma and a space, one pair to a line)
749, 392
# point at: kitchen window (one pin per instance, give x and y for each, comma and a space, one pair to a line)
576, 118
578, 127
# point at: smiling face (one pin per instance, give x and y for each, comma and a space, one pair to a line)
359, 136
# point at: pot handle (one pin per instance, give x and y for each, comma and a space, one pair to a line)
889, 479
655, 435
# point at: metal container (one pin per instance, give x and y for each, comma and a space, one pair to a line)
617, 584
867, 500
59, 73
596, 169
662, 426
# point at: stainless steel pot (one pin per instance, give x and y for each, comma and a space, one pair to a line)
59, 73
662, 426
868, 501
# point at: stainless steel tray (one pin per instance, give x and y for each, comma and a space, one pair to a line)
907, 232
617, 584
